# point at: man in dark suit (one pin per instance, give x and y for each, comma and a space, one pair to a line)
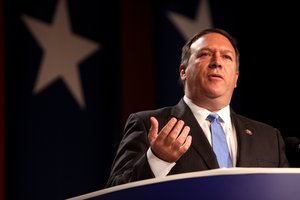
178, 139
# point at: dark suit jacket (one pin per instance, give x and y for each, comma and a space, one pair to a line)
259, 145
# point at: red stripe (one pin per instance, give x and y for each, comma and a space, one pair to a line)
137, 56
1, 104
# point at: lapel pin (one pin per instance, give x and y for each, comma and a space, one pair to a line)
248, 132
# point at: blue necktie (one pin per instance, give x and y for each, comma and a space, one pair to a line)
219, 142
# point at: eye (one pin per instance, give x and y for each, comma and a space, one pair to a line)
203, 54
227, 57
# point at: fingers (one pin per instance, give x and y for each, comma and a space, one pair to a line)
153, 130
172, 141
181, 139
174, 133
185, 146
165, 131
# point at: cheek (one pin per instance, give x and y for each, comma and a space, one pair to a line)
193, 75
234, 80
194, 70
195, 78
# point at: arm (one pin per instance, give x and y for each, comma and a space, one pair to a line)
130, 163
168, 145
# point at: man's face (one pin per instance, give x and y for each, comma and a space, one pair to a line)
212, 69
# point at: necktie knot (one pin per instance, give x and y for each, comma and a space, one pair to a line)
213, 117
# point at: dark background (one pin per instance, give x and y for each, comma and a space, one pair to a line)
55, 149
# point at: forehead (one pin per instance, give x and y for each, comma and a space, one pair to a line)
212, 41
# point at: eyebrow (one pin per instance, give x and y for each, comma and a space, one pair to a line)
210, 49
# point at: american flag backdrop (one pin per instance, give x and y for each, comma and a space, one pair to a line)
72, 71
62, 71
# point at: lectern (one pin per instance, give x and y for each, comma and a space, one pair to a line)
217, 184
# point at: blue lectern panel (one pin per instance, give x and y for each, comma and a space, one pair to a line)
238, 186
226, 186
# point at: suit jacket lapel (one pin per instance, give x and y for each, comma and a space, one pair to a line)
199, 140
245, 137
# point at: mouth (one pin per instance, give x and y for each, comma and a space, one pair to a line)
219, 76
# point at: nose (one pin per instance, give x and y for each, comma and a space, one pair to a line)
215, 63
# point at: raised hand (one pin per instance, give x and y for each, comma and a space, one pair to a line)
171, 142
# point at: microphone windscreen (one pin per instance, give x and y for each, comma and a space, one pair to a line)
292, 143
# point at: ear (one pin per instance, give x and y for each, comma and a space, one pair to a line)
182, 72
236, 78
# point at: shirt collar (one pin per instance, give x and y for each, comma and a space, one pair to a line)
202, 113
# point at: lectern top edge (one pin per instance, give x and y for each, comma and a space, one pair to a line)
214, 172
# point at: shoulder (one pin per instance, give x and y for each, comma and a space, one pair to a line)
163, 115
163, 112
247, 123
146, 114
247, 120
259, 131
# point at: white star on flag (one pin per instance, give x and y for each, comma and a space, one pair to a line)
63, 52
189, 27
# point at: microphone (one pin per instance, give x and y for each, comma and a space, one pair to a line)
292, 143
293, 151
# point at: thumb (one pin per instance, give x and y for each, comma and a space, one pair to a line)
153, 130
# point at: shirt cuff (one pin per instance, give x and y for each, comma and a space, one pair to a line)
159, 167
